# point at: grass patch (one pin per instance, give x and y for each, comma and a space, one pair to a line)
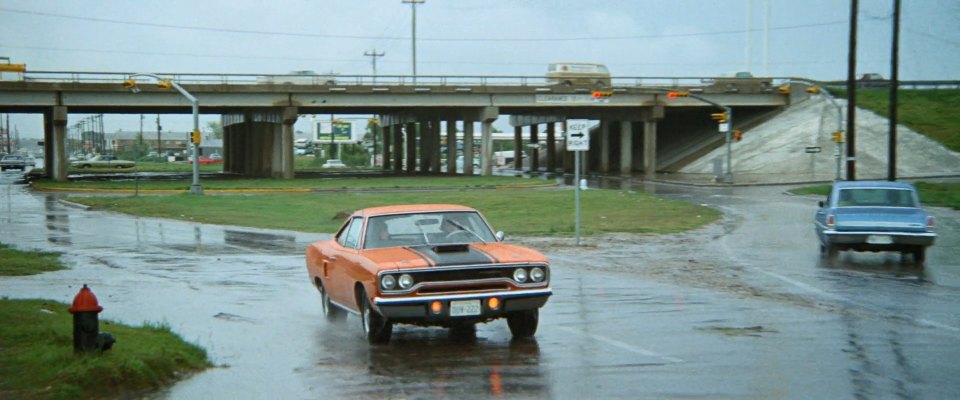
20, 263
37, 359
929, 112
931, 194
520, 212
296, 184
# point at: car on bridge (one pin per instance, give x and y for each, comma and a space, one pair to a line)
103, 161
874, 216
578, 74
429, 265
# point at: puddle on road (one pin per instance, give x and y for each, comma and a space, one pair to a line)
753, 331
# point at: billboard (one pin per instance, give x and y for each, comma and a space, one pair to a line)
342, 130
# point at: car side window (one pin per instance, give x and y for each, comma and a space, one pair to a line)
350, 237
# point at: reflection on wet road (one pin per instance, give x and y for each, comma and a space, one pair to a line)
741, 309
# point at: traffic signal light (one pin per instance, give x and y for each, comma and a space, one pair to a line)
784, 89
813, 90
720, 117
737, 135
195, 137
838, 136
129, 83
674, 95
602, 94
164, 84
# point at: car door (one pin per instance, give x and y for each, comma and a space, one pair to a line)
340, 261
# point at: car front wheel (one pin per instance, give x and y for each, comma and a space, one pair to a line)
376, 328
523, 324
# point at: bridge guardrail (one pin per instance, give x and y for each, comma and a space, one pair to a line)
664, 82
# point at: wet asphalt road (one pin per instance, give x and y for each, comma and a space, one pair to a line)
740, 309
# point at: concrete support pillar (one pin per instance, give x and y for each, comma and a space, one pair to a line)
451, 147
55, 125
398, 152
411, 147
534, 149
468, 147
282, 166
426, 140
626, 147
649, 150
551, 147
435, 146
604, 146
486, 147
518, 148
387, 136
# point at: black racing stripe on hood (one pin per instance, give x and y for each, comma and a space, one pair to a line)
492, 258
469, 256
424, 257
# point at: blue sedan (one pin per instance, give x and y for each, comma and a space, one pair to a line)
874, 216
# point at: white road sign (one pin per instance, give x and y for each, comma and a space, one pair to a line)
578, 135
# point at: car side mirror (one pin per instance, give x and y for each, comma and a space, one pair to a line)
500, 236
820, 203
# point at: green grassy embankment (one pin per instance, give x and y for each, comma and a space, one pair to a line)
37, 360
931, 112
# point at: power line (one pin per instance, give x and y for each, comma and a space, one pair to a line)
317, 35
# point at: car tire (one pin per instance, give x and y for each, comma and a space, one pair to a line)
920, 255
331, 312
830, 251
376, 328
523, 324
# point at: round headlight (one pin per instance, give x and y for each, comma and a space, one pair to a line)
537, 275
388, 282
406, 281
520, 275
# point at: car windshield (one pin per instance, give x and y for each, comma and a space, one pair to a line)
876, 197
426, 229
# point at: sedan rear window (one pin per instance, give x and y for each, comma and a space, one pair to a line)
876, 197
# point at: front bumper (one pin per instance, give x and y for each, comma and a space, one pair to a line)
416, 309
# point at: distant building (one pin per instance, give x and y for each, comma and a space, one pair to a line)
177, 142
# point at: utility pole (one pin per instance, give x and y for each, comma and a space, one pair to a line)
852, 94
894, 86
159, 141
373, 58
413, 7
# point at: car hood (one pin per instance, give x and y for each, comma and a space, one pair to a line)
881, 218
427, 256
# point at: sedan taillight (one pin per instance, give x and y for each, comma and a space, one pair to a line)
930, 223
831, 221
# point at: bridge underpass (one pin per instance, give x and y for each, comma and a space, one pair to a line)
638, 124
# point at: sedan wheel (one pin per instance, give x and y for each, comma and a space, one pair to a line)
523, 324
330, 312
376, 328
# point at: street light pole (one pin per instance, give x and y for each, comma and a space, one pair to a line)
195, 188
413, 7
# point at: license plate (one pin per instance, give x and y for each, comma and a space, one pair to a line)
464, 308
879, 239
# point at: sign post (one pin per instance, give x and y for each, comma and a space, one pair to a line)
578, 141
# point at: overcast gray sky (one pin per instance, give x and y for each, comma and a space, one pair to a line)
805, 38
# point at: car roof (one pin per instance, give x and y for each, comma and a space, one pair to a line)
873, 184
411, 208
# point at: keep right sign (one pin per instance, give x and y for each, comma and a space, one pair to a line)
578, 135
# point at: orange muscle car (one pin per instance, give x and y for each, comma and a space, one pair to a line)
432, 265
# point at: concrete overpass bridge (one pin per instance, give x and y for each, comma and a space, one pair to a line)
640, 129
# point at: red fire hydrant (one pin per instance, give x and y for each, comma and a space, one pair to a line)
86, 325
